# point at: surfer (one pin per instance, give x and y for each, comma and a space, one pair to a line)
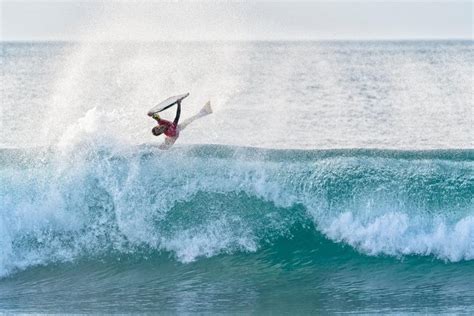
172, 129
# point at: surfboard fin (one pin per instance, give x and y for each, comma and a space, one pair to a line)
206, 109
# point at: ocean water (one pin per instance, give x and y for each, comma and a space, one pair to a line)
332, 177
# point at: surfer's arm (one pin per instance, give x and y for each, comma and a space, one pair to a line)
178, 113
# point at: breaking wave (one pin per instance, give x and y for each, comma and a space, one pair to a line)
98, 200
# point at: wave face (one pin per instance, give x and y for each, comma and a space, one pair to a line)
194, 202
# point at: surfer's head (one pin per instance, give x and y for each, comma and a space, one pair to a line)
158, 130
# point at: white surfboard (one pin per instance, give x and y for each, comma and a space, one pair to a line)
167, 103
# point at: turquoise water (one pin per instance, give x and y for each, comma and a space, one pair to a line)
332, 177
222, 229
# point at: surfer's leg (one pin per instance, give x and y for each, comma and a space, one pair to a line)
206, 109
188, 121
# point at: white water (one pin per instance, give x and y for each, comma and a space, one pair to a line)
90, 199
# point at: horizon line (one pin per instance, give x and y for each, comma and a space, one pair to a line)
395, 39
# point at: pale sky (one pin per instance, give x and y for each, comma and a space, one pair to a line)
234, 20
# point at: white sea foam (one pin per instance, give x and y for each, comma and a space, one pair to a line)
399, 234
